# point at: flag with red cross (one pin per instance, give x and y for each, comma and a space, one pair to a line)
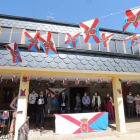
23, 92
52, 80
19, 112
90, 31
65, 81
5, 115
0, 79
120, 80
38, 79
14, 51
109, 81
47, 43
131, 19
100, 80
32, 41
25, 78
27, 128
138, 82
88, 81
132, 40
72, 39
14, 79
129, 83
119, 90
77, 81
105, 38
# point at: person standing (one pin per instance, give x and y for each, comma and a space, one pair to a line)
96, 102
78, 102
48, 107
32, 99
108, 106
86, 101
40, 110
137, 102
130, 100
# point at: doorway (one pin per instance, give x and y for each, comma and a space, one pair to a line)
73, 94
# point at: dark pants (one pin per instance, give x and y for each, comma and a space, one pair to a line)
86, 107
31, 107
38, 114
130, 109
63, 107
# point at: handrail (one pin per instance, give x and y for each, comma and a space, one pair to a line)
25, 122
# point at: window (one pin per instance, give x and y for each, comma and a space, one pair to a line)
94, 47
55, 38
62, 40
120, 46
5, 35
136, 49
16, 36
128, 48
112, 46
102, 48
83, 44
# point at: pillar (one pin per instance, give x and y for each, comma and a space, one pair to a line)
118, 105
22, 105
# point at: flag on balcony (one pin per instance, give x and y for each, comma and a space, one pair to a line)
71, 39
23, 92
129, 83
52, 80
90, 31
38, 79
109, 81
65, 81
32, 41
131, 19
132, 40
0, 79
120, 80
100, 80
47, 43
13, 48
88, 81
77, 81
5, 115
104, 40
14, 79
25, 78
119, 90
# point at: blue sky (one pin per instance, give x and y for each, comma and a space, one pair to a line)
72, 11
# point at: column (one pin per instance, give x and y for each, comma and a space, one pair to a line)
118, 105
22, 104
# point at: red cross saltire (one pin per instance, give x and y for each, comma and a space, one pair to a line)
32, 42
14, 79
0, 79
65, 81
88, 81
5, 115
22, 92
119, 90
109, 80
120, 80
77, 81
19, 112
27, 128
99, 80
15, 53
25, 78
52, 80
129, 83
39, 79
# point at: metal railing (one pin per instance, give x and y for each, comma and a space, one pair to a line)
23, 130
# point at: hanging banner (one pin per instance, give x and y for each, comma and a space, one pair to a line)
38, 79
131, 19
47, 45
71, 39
14, 51
0, 79
132, 40
52, 80
23, 92
119, 90
129, 83
25, 78
77, 81
109, 81
14, 79
5, 115
90, 31
88, 81
32, 42
65, 81
120, 80
100, 80
104, 40
55, 92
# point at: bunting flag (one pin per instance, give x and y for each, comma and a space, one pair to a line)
77, 81
38, 79
132, 40
104, 40
129, 83
14, 79
23, 92
88, 81
47, 85
100, 80
52, 80
0, 79
119, 90
109, 81
90, 31
19, 112
47, 45
5, 115
13, 48
27, 128
25, 78
131, 19
65, 81
72, 39
32, 42
120, 80
138, 82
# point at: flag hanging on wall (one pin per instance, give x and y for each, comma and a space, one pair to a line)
109, 81
138, 82
129, 83
65, 81
131, 19
104, 40
88, 81
32, 41
72, 39
100, 80
77, 81
14, 79
52, 80
38, 79
14, 51
90, 31
132, 40
0, 79
19, 112
25, 78
23, 92
5, 115
120, 80
119, 90
47, 45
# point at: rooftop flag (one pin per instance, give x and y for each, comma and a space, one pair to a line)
131, 19
90, 31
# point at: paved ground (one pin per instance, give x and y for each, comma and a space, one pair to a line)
132, 126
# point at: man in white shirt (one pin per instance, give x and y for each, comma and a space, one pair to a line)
32, 99
86, 101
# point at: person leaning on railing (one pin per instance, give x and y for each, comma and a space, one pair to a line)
13, 105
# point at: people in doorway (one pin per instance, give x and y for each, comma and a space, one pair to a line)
40, 110
96, 101
32, 99
130, 100
86, 101
63, 99
108, 101
137, 103
13, 105
48, 107
78, 102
